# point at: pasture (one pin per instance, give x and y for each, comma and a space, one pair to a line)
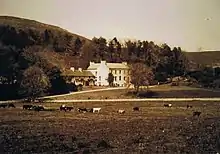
153, 129
162, 91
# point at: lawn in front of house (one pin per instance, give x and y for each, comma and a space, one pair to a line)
162, 91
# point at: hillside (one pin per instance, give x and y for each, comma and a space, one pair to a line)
36, 33
26, 24
22, 33
204, 58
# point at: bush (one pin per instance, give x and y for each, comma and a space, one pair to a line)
72, 87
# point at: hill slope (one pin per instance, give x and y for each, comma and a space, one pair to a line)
26, 24
22, 33
204, 58
37, 31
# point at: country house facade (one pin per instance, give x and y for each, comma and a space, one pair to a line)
83, 77
101, 70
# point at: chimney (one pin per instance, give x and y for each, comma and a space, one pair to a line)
103, 62
80, 69
125, 63
72, 69
91, 63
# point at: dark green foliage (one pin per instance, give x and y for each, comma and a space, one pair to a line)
110, 79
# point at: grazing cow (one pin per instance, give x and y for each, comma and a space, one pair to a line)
63, 107
167, 105
69, 108
196, 113
121, 111
3, 105
97, 109
136, 109
11, 105
27, 107
189, 106
82, 110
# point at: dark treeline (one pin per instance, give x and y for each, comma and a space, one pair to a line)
19, 58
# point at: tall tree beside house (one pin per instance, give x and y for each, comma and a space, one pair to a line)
141, 75
110, 79
34, 83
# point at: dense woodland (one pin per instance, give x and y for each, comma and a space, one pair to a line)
28, 49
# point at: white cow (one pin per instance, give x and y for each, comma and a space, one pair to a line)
121, 111
97, 109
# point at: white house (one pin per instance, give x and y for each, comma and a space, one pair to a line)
101, 70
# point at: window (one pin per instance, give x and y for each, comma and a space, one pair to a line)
115, 78
124, 78
99, 78
96, 73
115, 71
119, 78
119, 71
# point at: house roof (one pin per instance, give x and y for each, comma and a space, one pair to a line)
109, 65
77, 73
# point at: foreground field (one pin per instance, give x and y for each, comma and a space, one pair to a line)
163, 91
154, 129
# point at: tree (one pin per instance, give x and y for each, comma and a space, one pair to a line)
78, 45
141, 75
34, 82
110, 79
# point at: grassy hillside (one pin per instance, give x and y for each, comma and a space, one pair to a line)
21, 23
204, 58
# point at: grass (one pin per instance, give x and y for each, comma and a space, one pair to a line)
154, 129
163, 91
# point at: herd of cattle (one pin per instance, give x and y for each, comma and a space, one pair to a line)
84, 110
